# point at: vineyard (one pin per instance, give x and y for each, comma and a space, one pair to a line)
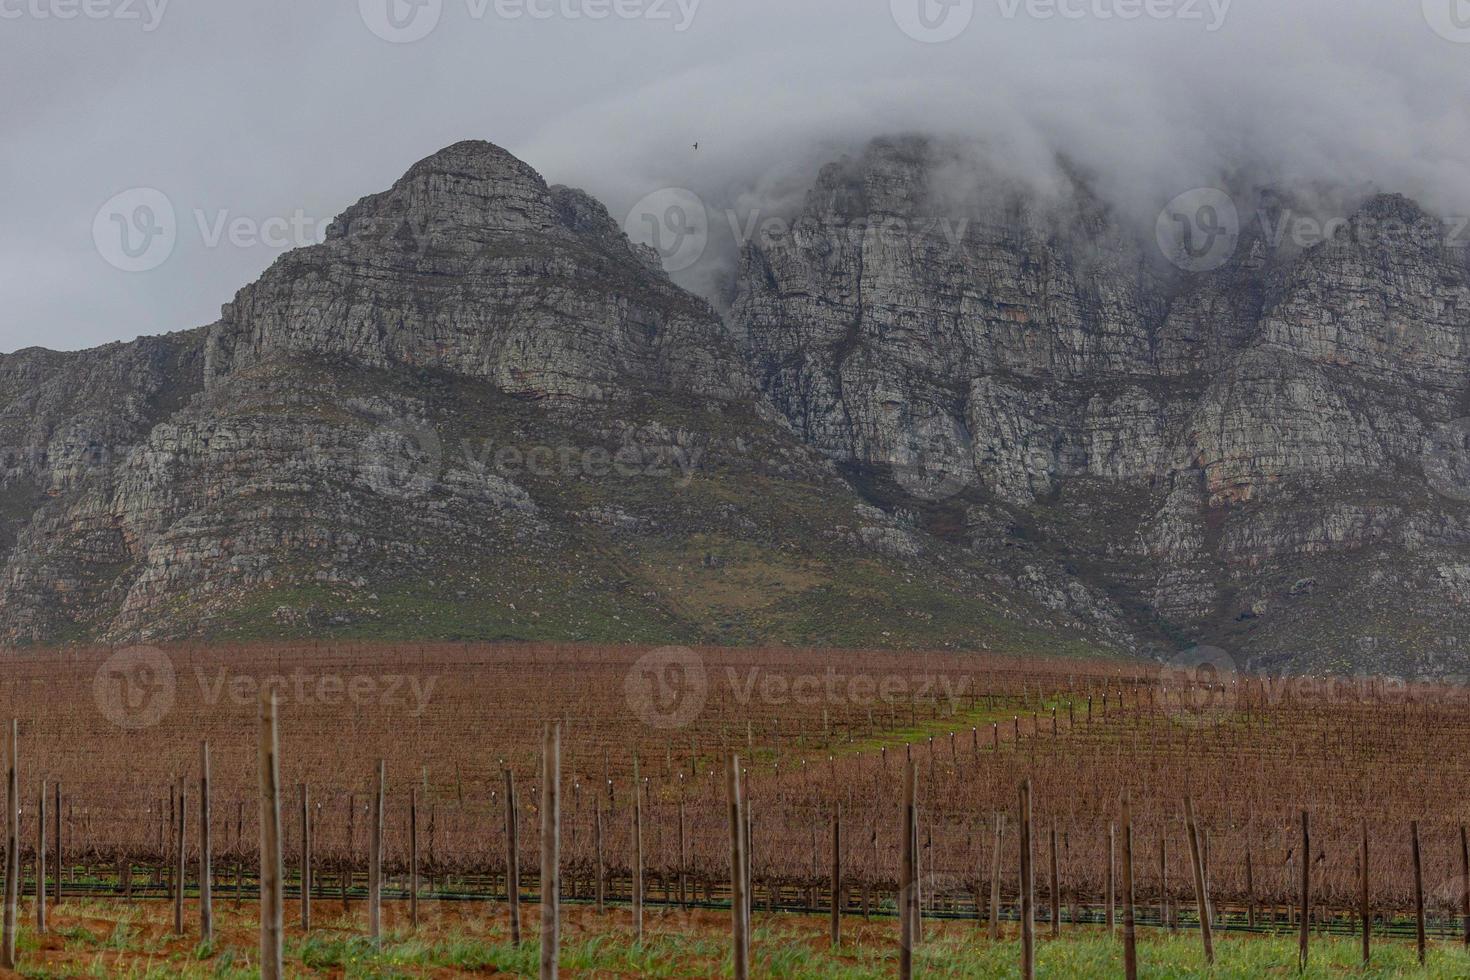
115, 737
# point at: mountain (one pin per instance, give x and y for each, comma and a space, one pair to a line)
940, 412
475, 411
1268, 456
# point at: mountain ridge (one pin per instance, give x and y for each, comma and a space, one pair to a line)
1043, 436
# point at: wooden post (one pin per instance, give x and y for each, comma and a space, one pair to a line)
12, 849
1418, 892
1201, 896
637, 857
918, 897
272, 889
180, 825
1306, 924
413, 856
683, 857
995, 879
167, 825
1028, 884
1110, 900
240, 852
1465, 885
597, 846
375, 857
907, 875
41, 861
1250, 888
739, 922
836, 875
512, 859
551, 852
1364, 911
308, 879
1130, 948
1164, 919
56, 833
347, 870
747, 805
206, 851
1056, 888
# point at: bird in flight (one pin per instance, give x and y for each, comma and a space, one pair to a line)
696, 146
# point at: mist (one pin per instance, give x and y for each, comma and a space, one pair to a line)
282, 114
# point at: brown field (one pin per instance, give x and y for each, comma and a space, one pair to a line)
819, 728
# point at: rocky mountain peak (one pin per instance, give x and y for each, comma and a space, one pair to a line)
471, 264
1022, 405
467, 187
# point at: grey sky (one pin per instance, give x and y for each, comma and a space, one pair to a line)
283, 112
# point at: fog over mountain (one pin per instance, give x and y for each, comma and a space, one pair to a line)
258, 125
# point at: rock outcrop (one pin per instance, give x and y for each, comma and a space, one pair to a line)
995, 418
476, 410
1196, 446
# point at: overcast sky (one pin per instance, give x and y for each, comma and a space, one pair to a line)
256, 121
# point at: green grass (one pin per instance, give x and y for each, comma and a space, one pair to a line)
785, 947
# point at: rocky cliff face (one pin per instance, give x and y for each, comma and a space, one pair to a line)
1265, 456
993, 418
476, 410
